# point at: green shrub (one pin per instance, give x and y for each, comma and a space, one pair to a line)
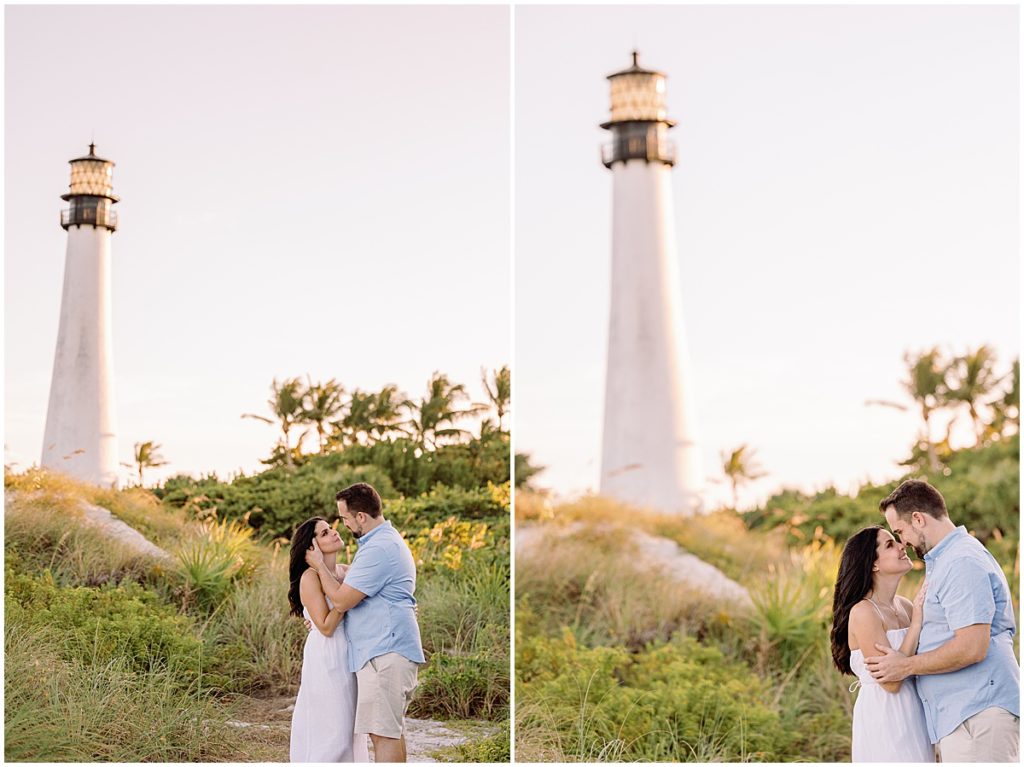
464, 624
494, 749
463, 687
212, 559
672, 702
126, 624
484, 503
981, 488
413, 471
275, 501
792, 608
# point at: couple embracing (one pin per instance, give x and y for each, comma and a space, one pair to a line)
360, 660
938, 677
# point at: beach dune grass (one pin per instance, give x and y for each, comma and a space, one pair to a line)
616, 662
148, 660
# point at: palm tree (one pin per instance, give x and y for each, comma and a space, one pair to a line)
434, 416
386, 412
286, 404
358, 418
926, 385
1006, 408
972, 377
147, 456
739, 467
321, 403
499, 390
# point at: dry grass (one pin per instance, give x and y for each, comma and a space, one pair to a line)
592, 580
719, 538
48, 530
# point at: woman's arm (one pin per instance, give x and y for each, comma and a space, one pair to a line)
867, 630
325, 619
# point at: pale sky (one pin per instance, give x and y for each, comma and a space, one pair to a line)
846, 190
316, 189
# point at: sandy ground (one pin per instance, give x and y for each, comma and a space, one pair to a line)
121, 531
270, 721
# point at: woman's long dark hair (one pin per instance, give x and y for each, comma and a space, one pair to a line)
301, 541
852, 585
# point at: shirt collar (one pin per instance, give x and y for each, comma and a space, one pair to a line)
366, 536
945, 543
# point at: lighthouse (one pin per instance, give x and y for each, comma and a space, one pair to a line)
650, 456
80, 438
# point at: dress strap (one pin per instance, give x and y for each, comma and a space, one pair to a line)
881, 617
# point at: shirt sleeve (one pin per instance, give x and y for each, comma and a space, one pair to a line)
369, 571
967, 597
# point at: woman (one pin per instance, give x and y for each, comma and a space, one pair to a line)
888, 719
323, 722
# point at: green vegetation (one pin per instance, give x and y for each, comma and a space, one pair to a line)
981, 487
493, 749
452, 480
672, 701
616, 661
172, 649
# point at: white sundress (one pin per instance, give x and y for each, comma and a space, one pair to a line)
323, 722
888, 727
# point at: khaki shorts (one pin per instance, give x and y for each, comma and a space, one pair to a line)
385, 690
991, 735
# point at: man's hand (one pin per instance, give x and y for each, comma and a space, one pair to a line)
314, 557
892, 666
309, 624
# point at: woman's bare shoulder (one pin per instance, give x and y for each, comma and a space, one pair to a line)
864, 613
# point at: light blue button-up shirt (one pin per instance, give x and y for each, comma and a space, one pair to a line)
385, 621
966, 586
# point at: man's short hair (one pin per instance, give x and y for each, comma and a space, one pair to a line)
360, 497
915, 495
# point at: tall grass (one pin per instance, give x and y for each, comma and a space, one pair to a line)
464, 618
60, 710
258, 638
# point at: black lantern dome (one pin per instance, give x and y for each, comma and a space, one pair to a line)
639, 122
91, 193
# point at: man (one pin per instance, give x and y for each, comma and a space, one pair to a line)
384, 647
967, 674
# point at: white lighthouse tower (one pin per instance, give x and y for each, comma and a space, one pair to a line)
80, 437
650, 455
